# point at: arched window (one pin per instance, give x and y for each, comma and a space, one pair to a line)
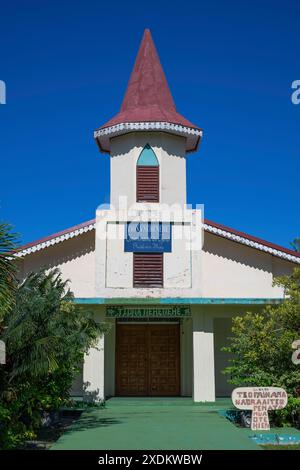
147, 176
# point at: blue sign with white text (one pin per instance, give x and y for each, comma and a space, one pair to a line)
148, 237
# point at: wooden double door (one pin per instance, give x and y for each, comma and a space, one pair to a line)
147, 360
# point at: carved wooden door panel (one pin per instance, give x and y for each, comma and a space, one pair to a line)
164, 360
148, 360
132, 360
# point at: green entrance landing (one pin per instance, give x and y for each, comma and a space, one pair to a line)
155, 423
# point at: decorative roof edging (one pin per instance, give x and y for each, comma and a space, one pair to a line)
213, 228
193, 135
56, 239
251, 243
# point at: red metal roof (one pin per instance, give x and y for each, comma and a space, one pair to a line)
251, 238
55, 235
148, 97
207, 222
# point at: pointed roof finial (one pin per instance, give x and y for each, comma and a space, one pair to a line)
148, 103
148, 91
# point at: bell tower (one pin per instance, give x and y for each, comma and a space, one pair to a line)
147, 142
148, 121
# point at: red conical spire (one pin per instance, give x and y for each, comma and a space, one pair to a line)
148, 97
147, 85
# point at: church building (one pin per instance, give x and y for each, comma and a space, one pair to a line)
166, 280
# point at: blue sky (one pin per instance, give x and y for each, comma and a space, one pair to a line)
229, 64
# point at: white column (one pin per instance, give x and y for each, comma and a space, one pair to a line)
203, 358
93, 372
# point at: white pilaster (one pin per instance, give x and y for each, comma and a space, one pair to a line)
93, 372
203, 357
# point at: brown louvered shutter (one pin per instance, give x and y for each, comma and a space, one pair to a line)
147, 183
148, 269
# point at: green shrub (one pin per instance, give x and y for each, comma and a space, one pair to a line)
261, 343
46, 337
289, 416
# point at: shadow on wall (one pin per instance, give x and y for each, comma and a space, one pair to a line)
61, 253
237, 253
169, 145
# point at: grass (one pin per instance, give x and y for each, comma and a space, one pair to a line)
281, 447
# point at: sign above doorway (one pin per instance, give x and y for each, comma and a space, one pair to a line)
177, 311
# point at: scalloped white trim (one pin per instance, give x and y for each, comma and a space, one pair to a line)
55, 240
251, 243
147, 126
207, 227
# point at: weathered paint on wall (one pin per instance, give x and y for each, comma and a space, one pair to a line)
119, 268
114, 266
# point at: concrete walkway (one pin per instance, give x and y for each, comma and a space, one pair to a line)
155, 423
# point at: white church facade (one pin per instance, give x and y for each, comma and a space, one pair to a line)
166, 280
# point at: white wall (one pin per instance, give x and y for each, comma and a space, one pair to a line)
222, 330
94, 364
219, 327
114, 267
232, 270
170, 152
119, 264
203, 356
74, 257
109, 358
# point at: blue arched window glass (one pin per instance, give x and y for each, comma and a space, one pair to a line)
147, 157
147, 176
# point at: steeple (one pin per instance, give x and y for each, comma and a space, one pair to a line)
148, 103
148, 97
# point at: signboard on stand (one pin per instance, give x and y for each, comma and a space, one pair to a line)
259, 400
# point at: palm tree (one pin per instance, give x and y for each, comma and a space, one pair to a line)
296, 244
45, 331
8, 269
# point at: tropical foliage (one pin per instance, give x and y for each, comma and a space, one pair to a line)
46, 337
261, 345
296, 244
7, 268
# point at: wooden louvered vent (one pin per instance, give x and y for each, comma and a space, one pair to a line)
147, 183
147, 269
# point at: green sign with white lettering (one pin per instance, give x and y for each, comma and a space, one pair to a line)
177, 311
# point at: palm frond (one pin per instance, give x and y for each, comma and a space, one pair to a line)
8, 268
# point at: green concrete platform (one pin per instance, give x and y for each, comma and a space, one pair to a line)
155, 423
